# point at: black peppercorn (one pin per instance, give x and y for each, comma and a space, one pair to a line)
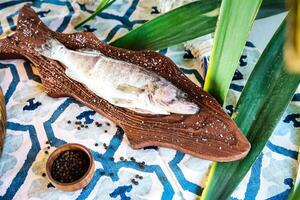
134, 181
104, 145
132, 159
69, 166
50, 185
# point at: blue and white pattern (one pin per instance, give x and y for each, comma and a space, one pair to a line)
37, 124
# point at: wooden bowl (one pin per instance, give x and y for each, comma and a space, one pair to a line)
78, 184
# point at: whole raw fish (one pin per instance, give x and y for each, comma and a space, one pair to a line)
121, 83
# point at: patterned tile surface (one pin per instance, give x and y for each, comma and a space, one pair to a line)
37, 124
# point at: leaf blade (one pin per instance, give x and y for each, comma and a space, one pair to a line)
259, 125
159, 38
295, 193
271, 7
231, 31
103, 5
160, 33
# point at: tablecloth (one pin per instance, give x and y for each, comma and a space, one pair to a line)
37, 123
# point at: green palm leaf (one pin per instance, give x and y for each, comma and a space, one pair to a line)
102, 6
184, 23
296, 193
174, 27
264, 99
229, 42
271, 7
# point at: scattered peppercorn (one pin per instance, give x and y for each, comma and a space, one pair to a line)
105, 131
132, 159
104, 145
69, 122
112, 158
111, 174
86, 126
47, 142
138, 176
46, 152
98, 124
43, 174
96, 144
108, 124
134, 181
70, 166
141, 164
121, 158
78, 128
48, 147
82, 126
102, 173
50, 185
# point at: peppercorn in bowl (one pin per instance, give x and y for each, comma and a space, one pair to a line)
70, 167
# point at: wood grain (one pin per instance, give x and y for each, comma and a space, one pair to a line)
210, 134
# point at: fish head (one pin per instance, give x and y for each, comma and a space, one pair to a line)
174, 100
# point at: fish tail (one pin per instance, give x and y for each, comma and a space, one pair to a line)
50, 48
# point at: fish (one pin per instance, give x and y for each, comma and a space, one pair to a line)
121, 83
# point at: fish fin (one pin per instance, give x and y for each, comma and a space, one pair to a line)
90, 52
139, 110
129, 89
121, 102
126, 103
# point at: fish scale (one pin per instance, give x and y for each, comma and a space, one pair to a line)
121, 83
